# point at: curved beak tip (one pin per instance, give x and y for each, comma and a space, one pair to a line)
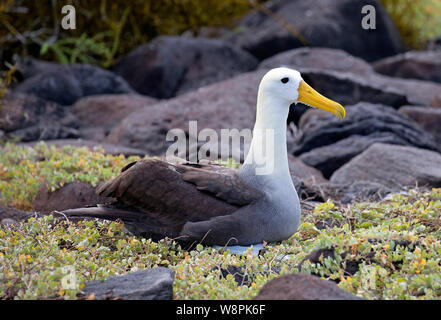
341, 112
309, 96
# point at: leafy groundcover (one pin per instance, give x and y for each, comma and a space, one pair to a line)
385, 250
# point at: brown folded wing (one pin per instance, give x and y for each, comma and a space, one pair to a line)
156, 198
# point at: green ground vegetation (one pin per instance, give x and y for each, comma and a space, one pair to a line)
105, 30
395, 243
23, 170
418, 21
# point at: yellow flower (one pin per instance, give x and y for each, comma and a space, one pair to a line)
22, 258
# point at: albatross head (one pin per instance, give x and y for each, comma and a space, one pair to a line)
284, 87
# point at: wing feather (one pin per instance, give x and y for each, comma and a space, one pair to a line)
156, 198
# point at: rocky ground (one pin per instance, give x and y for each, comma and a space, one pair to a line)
389, 142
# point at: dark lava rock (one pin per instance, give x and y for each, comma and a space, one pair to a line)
329, 158
59, 87
305, 179
29, 67
436, 100
11, 216
392, 166
326, 143
303, 287
65, 84
428, 118
417, 92
423, 65
71, 196
322, 23
99, 114
307, 189
150, 284
30, 118
169, 66
357, 191
303, 171
349, 88
318, 58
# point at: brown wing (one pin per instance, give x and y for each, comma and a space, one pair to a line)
157, 198
222, 182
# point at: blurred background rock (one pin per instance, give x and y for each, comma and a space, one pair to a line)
107, 30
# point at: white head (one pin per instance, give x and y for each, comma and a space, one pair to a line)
278, 90
281, 87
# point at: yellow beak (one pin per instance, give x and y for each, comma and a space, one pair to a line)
310, 97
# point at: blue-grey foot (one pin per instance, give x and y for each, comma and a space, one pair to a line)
241, 249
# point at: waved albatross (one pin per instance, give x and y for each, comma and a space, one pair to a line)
215, 205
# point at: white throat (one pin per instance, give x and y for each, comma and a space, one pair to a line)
267, 157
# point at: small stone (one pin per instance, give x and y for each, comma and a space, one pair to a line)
150, 284
303, 287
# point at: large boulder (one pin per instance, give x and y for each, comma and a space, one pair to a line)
304, 172
169, 66
329, 158
150, 284
29, 118
303, 287
99, 114
423, 65
224, 105
428, 118
321, 23
393, 166
318, 58
354, 191
65, 84
417, 92
348, 88
436, 100
327, 143
11, 216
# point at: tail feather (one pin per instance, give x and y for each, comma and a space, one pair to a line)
135, 223
102, 212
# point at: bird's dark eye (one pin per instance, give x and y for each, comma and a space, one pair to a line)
285, 80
